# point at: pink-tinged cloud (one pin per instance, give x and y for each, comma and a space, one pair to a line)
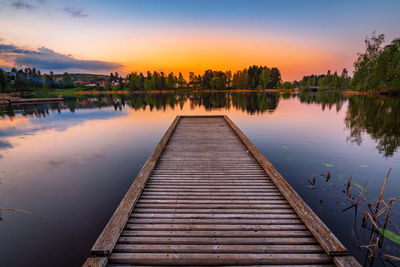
47, 59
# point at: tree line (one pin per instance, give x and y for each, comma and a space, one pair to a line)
326, 81
377, 68
30, 79
254, 77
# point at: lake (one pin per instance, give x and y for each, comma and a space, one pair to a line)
64, 167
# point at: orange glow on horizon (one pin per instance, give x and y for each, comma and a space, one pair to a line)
294, 58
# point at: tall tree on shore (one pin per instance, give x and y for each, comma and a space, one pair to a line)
228, 76
3, 81
387, 73
66, 79
181, 81
275, 78
171, 81
366, 62
265, 78
21, 84
345, 79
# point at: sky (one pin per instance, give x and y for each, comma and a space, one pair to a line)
95, 36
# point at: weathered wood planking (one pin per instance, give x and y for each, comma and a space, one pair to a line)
207, 196
108, 238
325, 237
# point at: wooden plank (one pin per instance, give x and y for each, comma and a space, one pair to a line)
209, 190
217, 240
346, 261
198, 211
216, 221
177, 198
183, 180
95, 262
212, 206
108, 238
213, 187
258, 265
321, 232
256, 201
214, 194
250, 249
213, 216
226, 233
216, 227
217, 258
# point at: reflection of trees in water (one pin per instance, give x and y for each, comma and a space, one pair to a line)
211, 101
327, 100
156, 101
254, 103
379, 117
38, 111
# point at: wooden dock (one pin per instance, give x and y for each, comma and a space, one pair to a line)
207, 196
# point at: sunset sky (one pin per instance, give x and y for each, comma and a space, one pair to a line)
298, 37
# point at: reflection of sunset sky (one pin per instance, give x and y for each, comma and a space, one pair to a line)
298, 37
75, 138
70, 170
85, 127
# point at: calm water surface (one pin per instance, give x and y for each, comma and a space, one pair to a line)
65, 167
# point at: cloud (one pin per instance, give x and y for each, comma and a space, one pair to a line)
8, 48
5, 144
26, 4
46, 59
76, 12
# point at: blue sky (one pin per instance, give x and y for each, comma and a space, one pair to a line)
299, 37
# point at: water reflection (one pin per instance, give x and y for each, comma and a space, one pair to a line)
378, 117
69, 164
325, 100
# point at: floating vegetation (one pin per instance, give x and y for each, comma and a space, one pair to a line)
390, 235
363, 166
328, 165
311, 186
285, 147
357, 185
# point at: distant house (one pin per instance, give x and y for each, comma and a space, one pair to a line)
80, 83
91, 84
